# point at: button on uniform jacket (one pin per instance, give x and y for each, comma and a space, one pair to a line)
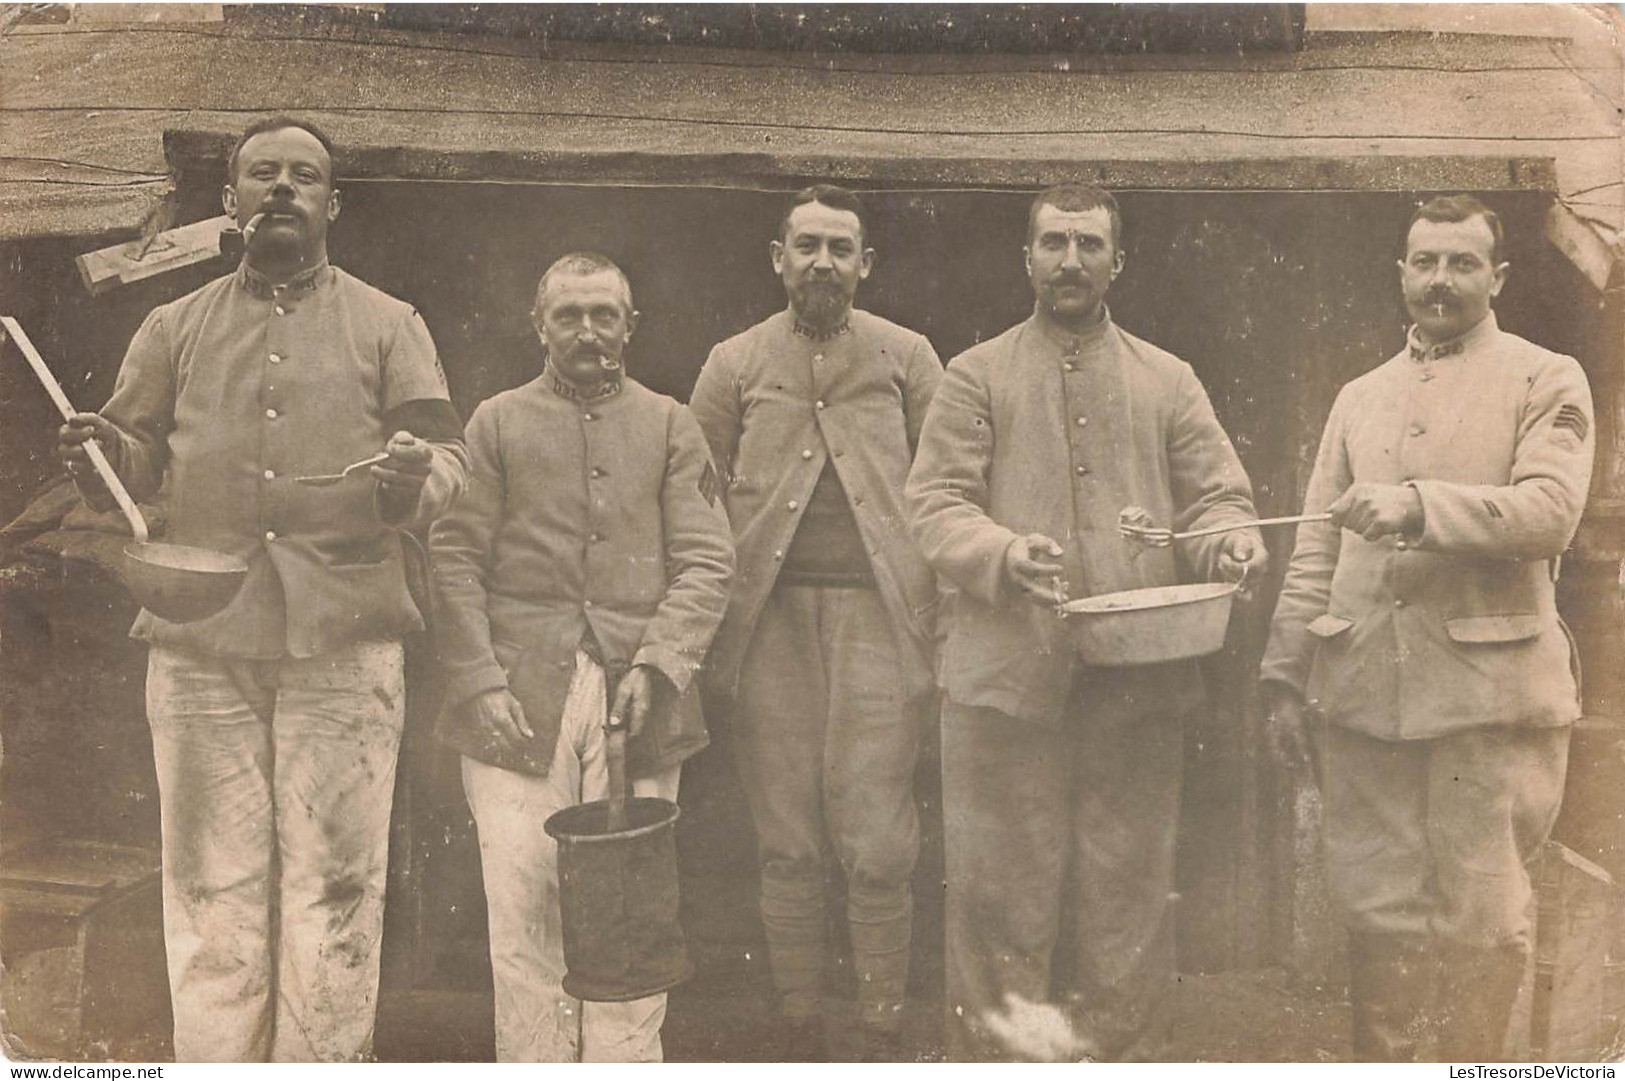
1037, 431
774, 415
1460, 628
581, 515
229, 393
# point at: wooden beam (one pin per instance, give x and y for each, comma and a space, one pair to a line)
105, 270
1582, 244
196, 153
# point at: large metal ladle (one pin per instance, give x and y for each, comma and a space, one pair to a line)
1138, 526
173, 581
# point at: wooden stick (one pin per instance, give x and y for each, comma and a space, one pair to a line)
138, 524
615, 751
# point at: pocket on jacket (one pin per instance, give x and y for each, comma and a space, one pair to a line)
1326, 625
1476, 630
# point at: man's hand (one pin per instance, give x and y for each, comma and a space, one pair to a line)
1377, 510
634, 697
72, 436
1038, 580
501, 716
400, 477
1285, 730
1241, 559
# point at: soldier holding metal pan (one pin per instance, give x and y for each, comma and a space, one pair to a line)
1061, 782
275, 723
1421, 620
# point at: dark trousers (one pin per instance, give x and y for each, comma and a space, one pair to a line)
1075, 823
1427, 846
1434, 836
827, 744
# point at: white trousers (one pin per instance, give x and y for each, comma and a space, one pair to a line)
275, 780
535, 1020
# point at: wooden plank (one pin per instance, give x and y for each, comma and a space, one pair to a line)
104, 98
155, 72
201, 153
1580, 242
1576, 903
122, 264
88, 867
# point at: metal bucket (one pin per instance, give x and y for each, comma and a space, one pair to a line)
618, 893
1150, 626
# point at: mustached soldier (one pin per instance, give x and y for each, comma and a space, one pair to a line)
584, 575
275, 723
1421, 620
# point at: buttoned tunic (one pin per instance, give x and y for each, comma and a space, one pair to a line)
1040, 431
239, 387
595, 518
1459, 627
276, 722
775, 406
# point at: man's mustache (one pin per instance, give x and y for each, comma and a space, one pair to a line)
593, 354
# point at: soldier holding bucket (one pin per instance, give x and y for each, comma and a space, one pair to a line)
584, 575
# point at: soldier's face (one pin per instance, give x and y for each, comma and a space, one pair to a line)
1449, 275
1071, 260
286, 175
821, 261
585, 320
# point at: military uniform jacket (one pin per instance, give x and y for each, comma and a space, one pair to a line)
585, 521
1459, 628
1039, 431
232, 391
776, 406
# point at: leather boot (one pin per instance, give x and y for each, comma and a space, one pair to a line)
1475, 1000
1391, 985
800, 1039
883, 1045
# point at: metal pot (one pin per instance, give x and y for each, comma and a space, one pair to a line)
1150, 626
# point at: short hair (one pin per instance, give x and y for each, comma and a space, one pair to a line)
1452, 208
278, 123
831, 195
581, 264
1074, 199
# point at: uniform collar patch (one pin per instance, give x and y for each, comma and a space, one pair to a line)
805, 331
608, 387
1422, 351
303, 282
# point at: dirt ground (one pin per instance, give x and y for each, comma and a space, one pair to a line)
722, 1015
1257, 1016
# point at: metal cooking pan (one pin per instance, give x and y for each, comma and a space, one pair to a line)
1150, 626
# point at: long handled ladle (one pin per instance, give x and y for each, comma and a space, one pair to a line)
1157, 537
173, 581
